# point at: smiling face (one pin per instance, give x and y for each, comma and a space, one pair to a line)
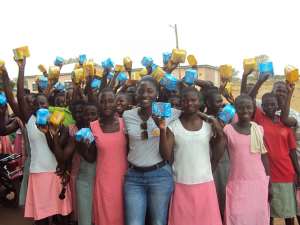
190, 102
106, 103
269, 105
244, 109
122, 103
146, 93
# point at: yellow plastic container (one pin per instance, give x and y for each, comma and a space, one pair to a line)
119, 68
21, 53
143, 72
2, 63
57, 118
178, 56
250, 64
228, 88
226, 71
127, 63
42, 68
98, 71
136, 75
158, 74
54, 72
88, 68
192, 60
78, 75
291, 74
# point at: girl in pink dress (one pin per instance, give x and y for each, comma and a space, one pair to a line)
190, 139
247, 187
111, 162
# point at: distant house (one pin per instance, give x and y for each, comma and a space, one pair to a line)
206, 72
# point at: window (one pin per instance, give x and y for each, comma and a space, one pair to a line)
34, 87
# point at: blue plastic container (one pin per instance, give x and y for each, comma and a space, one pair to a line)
161, 109
107, 64
122, 77
84, 134
169, 82
58, 61
59, 86
82, 59
96, 83
43, 82
166, 57
266, 68
147, 61
153, 67
3, 99
42, 116
227, 113
190, 76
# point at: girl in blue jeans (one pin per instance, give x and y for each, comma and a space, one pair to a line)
148, 182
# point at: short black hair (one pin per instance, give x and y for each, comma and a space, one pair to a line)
279, 82
209, 92
150, 79
242, 97
191, 89
268, 95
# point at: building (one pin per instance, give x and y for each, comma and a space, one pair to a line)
206, 72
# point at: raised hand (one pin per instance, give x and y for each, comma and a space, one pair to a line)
21, 63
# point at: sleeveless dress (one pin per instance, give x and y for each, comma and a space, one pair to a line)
108, 205
247, 187
82, 180
44, 186
194, 201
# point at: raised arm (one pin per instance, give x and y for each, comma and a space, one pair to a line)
288, 121
24, 111
244, 81
8, 92
253, 92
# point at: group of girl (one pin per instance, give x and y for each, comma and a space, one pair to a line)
190, 168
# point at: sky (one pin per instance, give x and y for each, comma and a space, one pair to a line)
215, 31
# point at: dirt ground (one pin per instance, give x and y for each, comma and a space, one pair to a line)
15, 217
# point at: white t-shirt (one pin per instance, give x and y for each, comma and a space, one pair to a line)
191, 154
42, 159
144, 153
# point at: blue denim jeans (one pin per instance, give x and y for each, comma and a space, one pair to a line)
148, 191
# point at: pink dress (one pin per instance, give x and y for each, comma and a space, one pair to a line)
44, 186
247, 187
108, 206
